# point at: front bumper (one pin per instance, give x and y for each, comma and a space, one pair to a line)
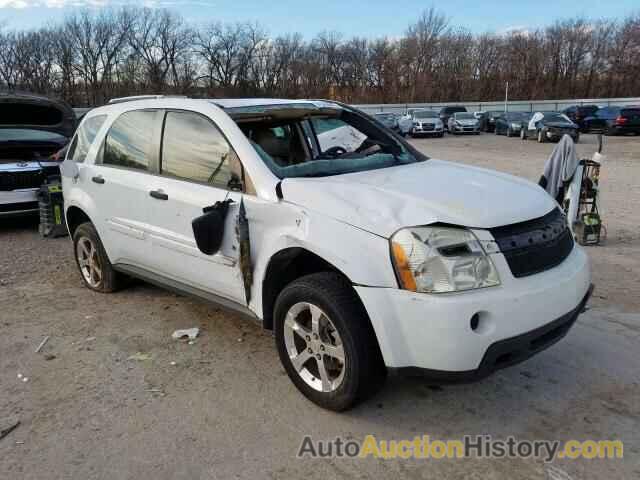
465, 129
18, 202
434, 332
422, 131
505, 353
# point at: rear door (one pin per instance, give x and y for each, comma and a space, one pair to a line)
118, 185
198, 167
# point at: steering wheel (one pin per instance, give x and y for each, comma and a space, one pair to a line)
334, 152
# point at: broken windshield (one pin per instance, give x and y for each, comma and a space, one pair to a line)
321, 141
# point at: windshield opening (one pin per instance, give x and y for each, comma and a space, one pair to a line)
323, 142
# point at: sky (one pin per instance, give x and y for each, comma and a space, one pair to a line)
368, 18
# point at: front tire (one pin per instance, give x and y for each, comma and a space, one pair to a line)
541, 136
94, 265
326, 343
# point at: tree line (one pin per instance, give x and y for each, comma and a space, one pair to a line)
93, 56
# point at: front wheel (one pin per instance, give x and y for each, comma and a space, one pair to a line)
509, 132
541, 136
523, 134
325, 341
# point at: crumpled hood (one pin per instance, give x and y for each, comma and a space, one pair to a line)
385, 200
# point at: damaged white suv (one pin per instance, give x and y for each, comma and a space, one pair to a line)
360, 253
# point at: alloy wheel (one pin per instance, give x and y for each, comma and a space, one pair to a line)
89, 261
314, 347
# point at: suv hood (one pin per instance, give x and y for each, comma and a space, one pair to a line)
34, 112
385, 200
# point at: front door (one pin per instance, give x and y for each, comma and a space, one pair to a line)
198, 168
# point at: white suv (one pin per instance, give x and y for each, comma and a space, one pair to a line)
360, 253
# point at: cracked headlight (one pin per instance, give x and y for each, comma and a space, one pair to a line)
440, 260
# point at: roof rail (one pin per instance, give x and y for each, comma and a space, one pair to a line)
142, 97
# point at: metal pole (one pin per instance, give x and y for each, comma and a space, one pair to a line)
506, 96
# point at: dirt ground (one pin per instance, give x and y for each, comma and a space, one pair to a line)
224, 408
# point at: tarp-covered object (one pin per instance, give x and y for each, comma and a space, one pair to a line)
560, 168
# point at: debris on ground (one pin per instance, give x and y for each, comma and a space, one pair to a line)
49, 356
23, 378
9, 429
42, 344
190, 333
140, 357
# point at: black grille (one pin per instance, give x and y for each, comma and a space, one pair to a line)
18, 180
536, 245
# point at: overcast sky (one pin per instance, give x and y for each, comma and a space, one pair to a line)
369, 18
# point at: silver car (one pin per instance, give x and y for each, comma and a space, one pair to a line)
463, 122
32, 131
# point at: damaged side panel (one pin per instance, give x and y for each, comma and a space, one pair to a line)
276, 226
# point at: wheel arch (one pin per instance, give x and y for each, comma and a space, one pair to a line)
75, 216
284, 267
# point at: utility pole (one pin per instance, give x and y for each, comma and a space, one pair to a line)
506, 96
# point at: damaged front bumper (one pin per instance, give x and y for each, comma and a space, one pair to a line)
434, 334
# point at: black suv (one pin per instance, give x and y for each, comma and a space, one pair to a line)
578, 114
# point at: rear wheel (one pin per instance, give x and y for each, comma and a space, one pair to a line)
93, 263
509, 132
523, 134
325, 341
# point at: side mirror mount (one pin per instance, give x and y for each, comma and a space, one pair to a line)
208, 229
69, 169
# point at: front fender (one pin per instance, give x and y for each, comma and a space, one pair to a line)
362, 256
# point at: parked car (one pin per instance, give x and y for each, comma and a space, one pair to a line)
32, 129
578, 113
446, 112
361, 254
550, 126
462, 122
488, 120
615, 120
426, 123
510, 123
388, 119
478, 115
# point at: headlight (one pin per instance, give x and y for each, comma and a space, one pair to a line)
440, 260
515, 126
416, 124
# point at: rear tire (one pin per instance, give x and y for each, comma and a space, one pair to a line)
94, 265
302, 310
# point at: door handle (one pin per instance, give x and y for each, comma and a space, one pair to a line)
159, 195
99, 180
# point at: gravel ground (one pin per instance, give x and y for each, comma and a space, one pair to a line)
224, 408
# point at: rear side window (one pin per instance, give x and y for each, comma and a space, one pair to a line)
85, 136
129, 140
194, 149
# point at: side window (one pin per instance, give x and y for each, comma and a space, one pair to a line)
128, 142
84, 137
194, 149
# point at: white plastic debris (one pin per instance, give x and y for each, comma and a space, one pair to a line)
173, 364
191, 333
20, 376
25, 379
